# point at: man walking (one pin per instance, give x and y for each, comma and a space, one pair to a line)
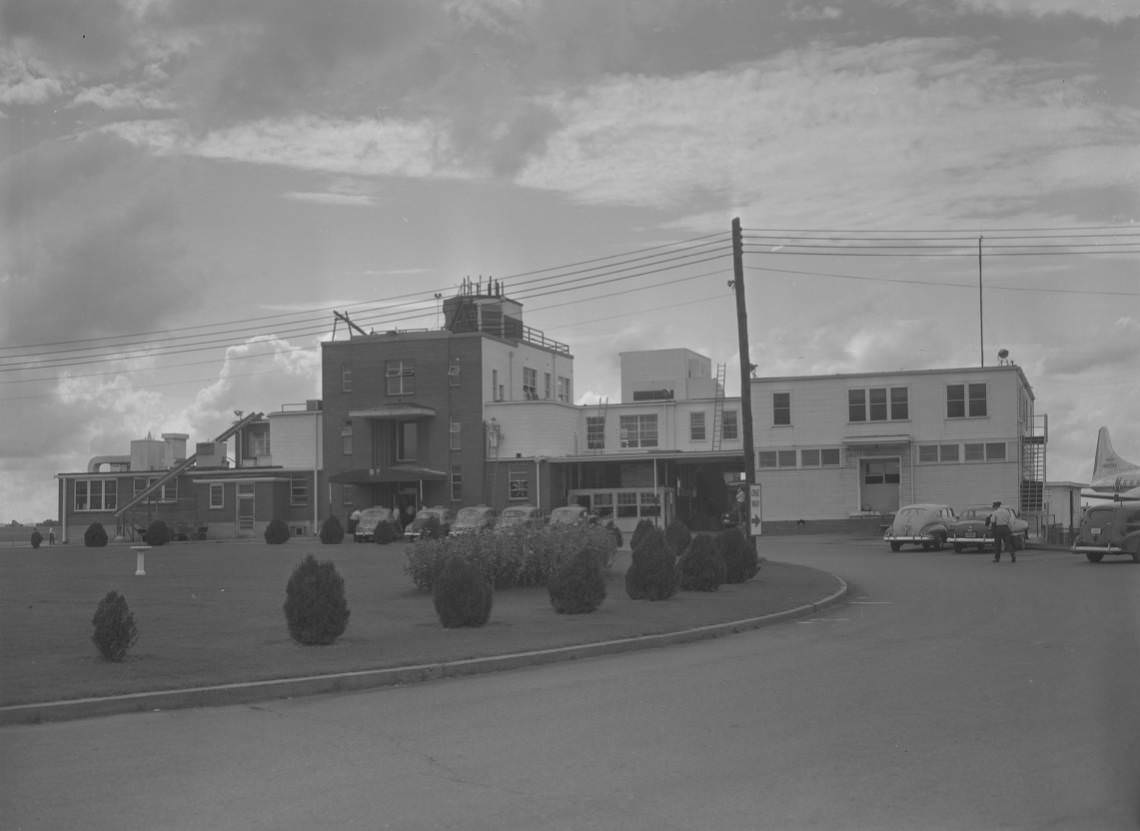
1000, 520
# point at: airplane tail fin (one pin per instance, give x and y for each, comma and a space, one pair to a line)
1106, 462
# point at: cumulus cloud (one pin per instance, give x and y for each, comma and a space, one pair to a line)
1110, 11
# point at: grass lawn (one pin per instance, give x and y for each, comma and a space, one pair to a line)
211, 613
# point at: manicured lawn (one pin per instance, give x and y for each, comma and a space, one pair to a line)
210, 613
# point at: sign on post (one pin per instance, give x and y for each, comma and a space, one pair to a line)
755, 513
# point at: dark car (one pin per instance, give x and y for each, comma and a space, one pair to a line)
571, 515
519, 516
370, 518
473, 519
415, 528
1112, 529
971, 530
922, 524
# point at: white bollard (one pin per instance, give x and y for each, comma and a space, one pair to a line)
140, 560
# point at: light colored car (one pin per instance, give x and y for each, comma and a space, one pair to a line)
369, 519
923, 524
415, 529
1112, 529
473, 519
971, 530
571, 515
519, 516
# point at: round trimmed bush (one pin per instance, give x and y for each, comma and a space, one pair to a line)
678, 537
114, 627
316, 609
276, 532
701, 567
653, 573
386, 531
643, 527
432, 528
332, 533
37, 538
95, 536
740, 560
578, 585
461, 595
157, 533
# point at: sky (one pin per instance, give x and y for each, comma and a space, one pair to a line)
188, 189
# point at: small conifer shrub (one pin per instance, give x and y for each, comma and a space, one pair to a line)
114, 627
432, 528
702, 568
95, 536
37, 538
157, 533
461, 595
678, 537
386, 531
653, 574
332, 532
740, 560
316, 609
642, 528
276, 532
578, 585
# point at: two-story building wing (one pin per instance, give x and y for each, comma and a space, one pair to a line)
836, 447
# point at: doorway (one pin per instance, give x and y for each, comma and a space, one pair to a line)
245, 508
879, 485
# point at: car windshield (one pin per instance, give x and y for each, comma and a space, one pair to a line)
569, 514
470, 515
912, 513
975, 512
511, 516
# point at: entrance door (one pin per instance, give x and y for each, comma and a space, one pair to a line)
408, 503
879, 491
245, 506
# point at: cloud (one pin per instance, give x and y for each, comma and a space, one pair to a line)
349, 199
111, 97
25, 81
1110, 11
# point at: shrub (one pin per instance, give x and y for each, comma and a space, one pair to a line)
652, 575
432, 529
332, 532
95, 536
276, 532
115, 630
702, 568
678, 537
37, 538
578, 585
615, 532
740, 560
386, 531
642, 528
461, 595
316, 610
157, 533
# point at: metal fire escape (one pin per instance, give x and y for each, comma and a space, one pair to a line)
1033, 455
718, 409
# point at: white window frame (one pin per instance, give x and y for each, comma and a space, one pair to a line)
400, 377
298, 491
639, 430
730, 418
217, 495
785, 409
518, 485
697, 431
530, 383
595, 432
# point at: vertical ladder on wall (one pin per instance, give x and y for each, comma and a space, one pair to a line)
718, 408
1033, 466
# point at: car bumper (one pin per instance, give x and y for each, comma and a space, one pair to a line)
1098, 549
967, 540
911, 539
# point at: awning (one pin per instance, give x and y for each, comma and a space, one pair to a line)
857, 441
381, 475
393, 412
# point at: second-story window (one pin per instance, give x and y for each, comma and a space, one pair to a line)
856, 405
564, 389
530, 383
400, 377
345, 378
456, 435
964, 400
781, 408
406, 441
729, 428
697, 426
638, 430
547, 386
346, 438
595, 432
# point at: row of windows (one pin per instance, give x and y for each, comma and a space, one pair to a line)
103, 494
993, 451
400, 376
808, 457
891, 404
530, 386
641, 430
728, 426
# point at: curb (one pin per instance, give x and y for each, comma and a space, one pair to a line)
256, 691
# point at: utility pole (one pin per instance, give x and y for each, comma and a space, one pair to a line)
981, 325
745, 361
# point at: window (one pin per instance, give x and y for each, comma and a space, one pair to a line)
766, 458
82, 495
809, 458
948, 452
787, 458
977, 400
547, 385
626, 505
958, 405
595, 432
530, 383
697, 426
878, 396
400, 377
603, 505
345, 378
298, 491
928, 453
856, 405
829, 456
653, 395
900, 404
167, 493
995, 451
406, 436
518, 485
496, 390
346, 439
453, 373
456, 483
456, 435
781, 408
638, 430
217, 496
729, 428
564, 389
650, 503
975, 452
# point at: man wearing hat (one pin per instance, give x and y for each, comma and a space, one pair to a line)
1000, 520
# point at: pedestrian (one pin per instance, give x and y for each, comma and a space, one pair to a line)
353, 521
51, 536
1000, 521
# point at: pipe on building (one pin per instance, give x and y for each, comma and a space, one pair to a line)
96, 461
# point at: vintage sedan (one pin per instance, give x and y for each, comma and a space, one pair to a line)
519, 516
922, 524
1112, 530
971, 530
415, 528
370, 518
571, 515
473, 519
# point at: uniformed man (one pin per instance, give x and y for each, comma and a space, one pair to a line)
1001, 521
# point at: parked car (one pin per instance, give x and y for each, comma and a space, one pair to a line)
517, 516
924, 524
971, 530
473, 519
415, 529
1112, 529
571, 515
369, 519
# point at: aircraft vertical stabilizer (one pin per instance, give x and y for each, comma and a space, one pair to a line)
1107, 463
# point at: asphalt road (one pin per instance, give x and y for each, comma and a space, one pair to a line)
951, 693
